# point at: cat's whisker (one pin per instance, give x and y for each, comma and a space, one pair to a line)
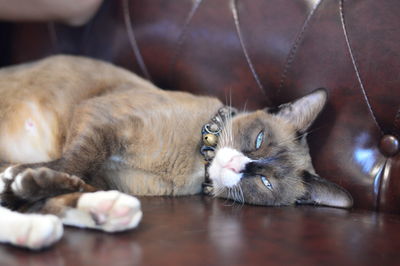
230, 97
244, 109
235, 199
241, 194
217, 190
231, 128
230, 197
224, 136
227, 137
221, 190
236, 195
228, 132
233, 193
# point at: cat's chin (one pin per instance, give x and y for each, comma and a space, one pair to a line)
227, 178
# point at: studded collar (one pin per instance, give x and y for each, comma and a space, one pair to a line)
210, 133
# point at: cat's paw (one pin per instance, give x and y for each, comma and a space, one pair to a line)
27, 184
34, 184
33, 231
110, 211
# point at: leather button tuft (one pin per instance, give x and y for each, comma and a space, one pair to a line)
389, 145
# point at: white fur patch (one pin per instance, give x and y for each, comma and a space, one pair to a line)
30, 126
225, 169
32, 231
110, 211
78, 218
7, 174
34, 139
17, 183
2, 186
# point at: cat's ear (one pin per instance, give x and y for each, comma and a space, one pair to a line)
303, 111
323, 192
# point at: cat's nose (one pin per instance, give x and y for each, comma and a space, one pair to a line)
237, 163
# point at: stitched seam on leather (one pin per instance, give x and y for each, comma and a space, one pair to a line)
132, 39
235, 15
294, 49
182, 36
355, 66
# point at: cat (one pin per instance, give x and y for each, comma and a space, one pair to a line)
80, 137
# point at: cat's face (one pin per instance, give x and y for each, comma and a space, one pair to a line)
263, 158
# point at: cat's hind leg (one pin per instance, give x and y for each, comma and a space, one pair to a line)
33, 231
109, 211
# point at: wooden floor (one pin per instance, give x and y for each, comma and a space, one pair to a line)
204, 231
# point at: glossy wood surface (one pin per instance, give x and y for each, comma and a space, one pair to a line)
200, 230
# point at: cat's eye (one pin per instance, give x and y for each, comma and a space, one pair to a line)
266, 183
259, 139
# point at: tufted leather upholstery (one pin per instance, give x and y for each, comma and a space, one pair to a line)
257, 53
263, 53
252, 53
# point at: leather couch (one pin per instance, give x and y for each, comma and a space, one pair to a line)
252, 53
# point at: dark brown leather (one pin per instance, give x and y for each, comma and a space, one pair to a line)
255, 53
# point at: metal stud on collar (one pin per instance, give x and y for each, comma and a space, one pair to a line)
210, 135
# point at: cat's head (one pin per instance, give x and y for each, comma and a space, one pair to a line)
262, 158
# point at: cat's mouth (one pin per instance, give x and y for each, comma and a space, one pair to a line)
226, 170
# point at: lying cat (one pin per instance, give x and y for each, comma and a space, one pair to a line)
80, 136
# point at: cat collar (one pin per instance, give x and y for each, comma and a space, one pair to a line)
210, 133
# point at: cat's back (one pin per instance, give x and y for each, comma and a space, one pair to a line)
37, 101
65, 73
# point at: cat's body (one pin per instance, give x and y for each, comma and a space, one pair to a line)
60, 98
71, 126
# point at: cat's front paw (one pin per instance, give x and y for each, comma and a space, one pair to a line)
33, 231
110, 211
